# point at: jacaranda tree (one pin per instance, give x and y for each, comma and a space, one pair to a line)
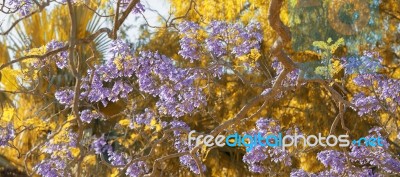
79, 98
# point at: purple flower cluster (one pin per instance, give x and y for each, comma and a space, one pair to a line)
333, 159
100, 145
299, 173
52, 168
189, 162
365, 64
23, 6
358, 162
61, 57
60, 154
155, 75
139, 8
222, 39
144, 118
376, 156
65, 97
255, 157
88, 115
189, 45
291, 78
114, 72
120, 47
365, 104
260, 154
139, 168
6, 134
384, 93
181, 145
173, 86
179, 125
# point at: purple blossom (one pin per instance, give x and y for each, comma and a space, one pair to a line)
279, 155
291, 78
59, 153
52, 168
216, 46
189, 48
155, 74
256, 168
61, 57
389, 89
366, 64
144, 118
120, 47
100, 145
88, 115
139, 8
363, 172
188, 27
137, 169
52, 148
256, 156
188, 43
181, 145
65, 97
299, 173
385, 94
120, 89
215, 43
180, 125
189, 162
365, 80
250, 38
6, 134
365, 104
223, 38
375, 156
73, 138
333, 159
217, 70
23, 6
241, 39
263, 123
117, 159
176, 92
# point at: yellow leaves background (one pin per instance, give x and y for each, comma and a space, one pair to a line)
310, 107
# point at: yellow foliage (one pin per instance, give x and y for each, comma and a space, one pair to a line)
36, 51
10, 79
124, 122
70, 117
74, 151
90, 160
36, 122
326, 45
8, 113
115, 172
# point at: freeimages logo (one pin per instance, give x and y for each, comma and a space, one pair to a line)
277, 140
